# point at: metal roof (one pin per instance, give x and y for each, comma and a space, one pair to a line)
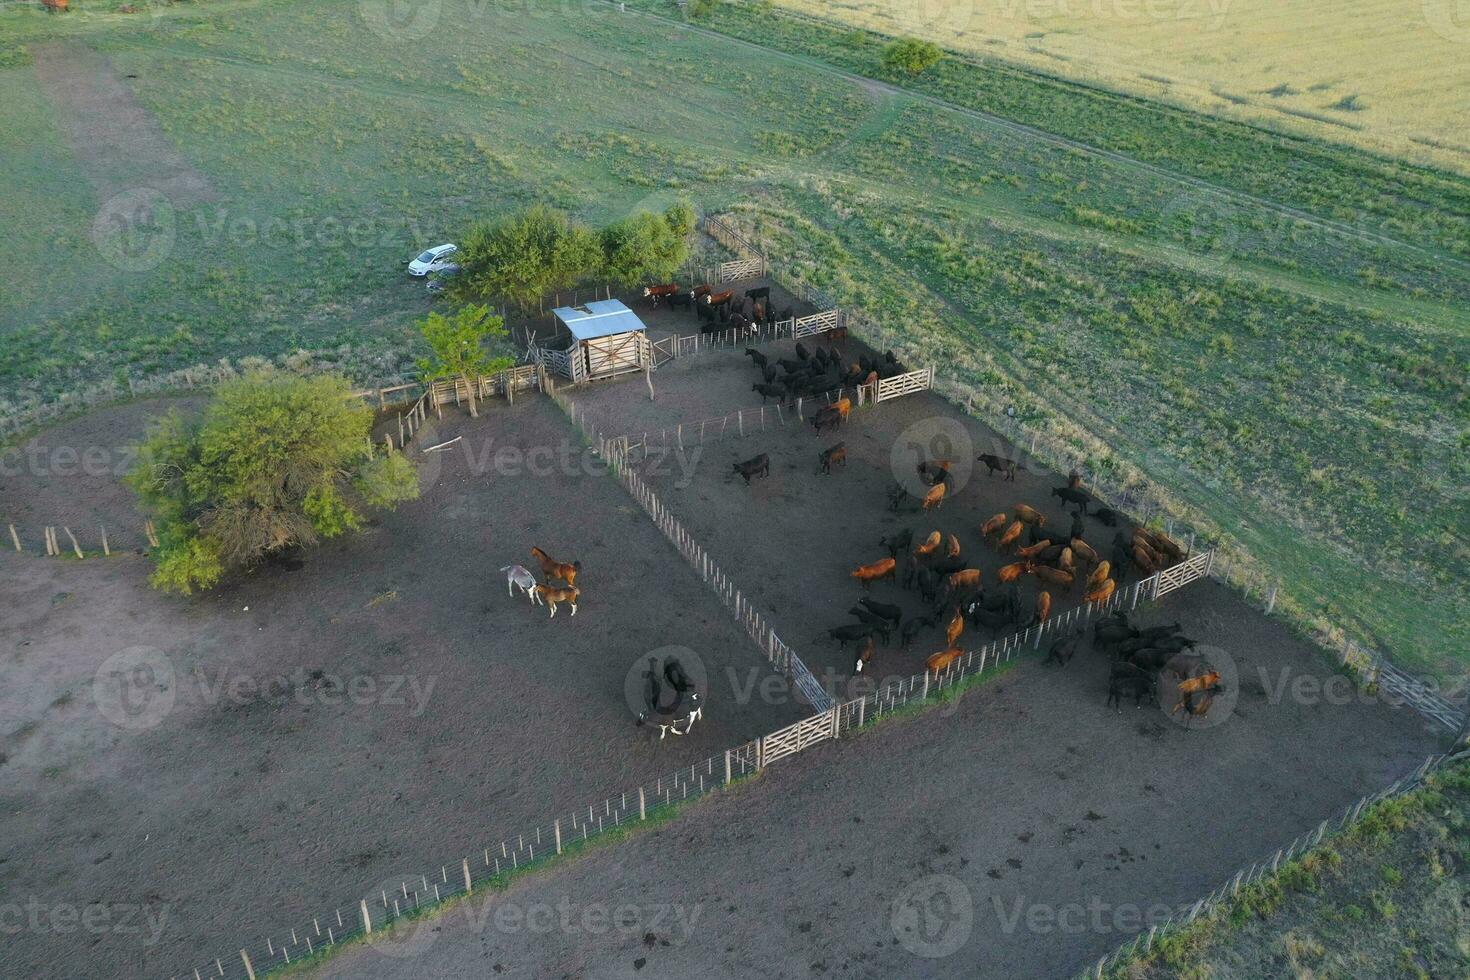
599, 318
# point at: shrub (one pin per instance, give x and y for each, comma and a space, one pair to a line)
911, 55
647, 247
274, 461
525, 257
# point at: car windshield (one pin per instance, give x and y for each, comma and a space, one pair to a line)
426, 256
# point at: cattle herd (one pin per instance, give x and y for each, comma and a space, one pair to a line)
725, 309
955, 596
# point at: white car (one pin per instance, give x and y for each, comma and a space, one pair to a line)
436, 259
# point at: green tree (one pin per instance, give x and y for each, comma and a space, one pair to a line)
458, 347
647, 247
911, 55
524, 257
275, 460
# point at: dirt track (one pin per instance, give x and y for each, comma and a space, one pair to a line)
245, 813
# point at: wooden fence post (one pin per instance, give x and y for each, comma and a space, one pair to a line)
1271, 600
367, 921
642, 805
556, 826
249, 968
466, 866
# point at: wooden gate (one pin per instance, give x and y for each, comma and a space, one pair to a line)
816, 323
618, 353
791, 740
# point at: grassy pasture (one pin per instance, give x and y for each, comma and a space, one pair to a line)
1378, 74
1306, 388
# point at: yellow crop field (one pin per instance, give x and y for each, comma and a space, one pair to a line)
1392, 76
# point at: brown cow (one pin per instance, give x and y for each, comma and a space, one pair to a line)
955, 628
954, 547
930, 545
934, 497
1052, 576
1100, 593
719, 299
1027, 515
657, 293
1031, 551
844, 407
943, 658
1009, 573
699, 291
1084, 551
965, 578
993, 526
1103, 570
1043, 606
1012, 535
881, 569
831, 457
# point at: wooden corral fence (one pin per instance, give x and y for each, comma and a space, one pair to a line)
490, 866
1143, 943
902, 384
754, 268
816, 323
738, 423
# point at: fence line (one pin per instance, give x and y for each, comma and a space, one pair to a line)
494, 863
1141, 502
1143, 943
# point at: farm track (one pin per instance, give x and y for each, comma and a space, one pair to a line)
1035, 133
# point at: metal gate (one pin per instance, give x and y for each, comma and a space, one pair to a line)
663, 350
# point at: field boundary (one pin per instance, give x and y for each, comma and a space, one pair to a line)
1143, 943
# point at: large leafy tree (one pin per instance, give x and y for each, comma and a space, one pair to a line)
275, 460
526, 256
647, 247
458, 345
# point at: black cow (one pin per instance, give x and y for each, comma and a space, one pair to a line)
757, 466
1078, 498
769, 391
994, 462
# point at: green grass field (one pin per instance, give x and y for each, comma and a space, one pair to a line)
1289, 354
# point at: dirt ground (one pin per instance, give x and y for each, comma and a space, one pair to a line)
376, 707
799, 532
1021, 833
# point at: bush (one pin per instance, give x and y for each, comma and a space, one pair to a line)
911, 55
274, 461
525, 257
647, 247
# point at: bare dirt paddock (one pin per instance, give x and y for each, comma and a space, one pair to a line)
377, 708
1023, 832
